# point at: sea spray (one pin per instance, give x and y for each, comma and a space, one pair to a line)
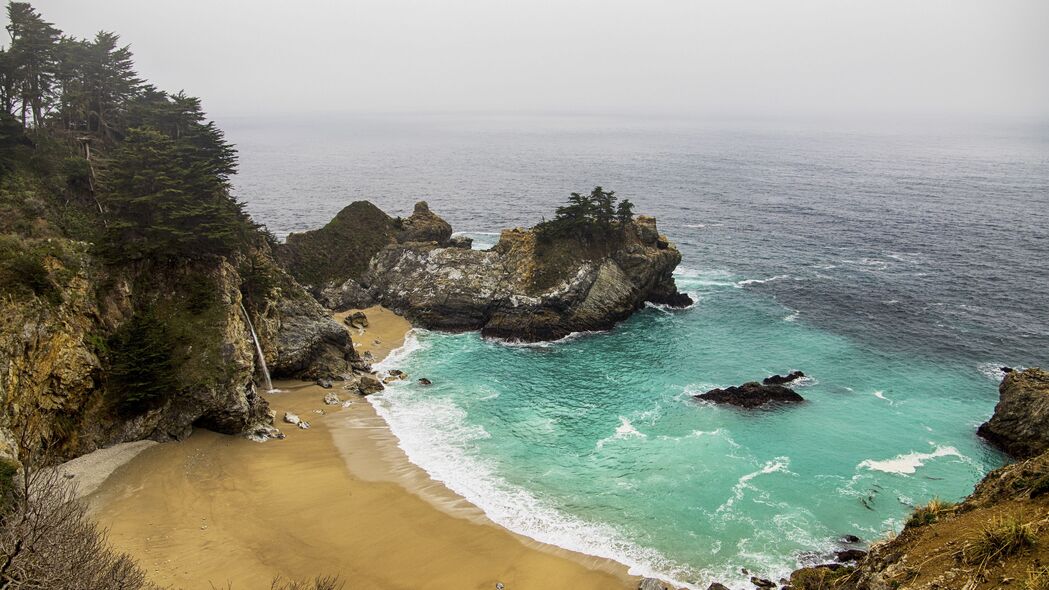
258, 348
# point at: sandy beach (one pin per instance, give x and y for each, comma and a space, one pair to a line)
337, 499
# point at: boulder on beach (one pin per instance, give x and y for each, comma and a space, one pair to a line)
357, 319
783, 379
292, 418
325, 383
652, 584
370, 384
1020, 424
332, 399
847, 555
751, 395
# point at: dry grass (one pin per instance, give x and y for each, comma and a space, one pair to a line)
1037, 579
1003, 537
320, 583
930, 513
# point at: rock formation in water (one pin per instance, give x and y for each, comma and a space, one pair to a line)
527, 287
751, 395
1020, 424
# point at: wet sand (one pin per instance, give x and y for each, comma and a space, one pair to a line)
339, 498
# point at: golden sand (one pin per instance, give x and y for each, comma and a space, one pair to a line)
339, 498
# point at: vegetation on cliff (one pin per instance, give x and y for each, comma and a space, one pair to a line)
124, 257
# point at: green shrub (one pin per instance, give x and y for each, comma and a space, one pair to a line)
8, 471
930, 513
142, 372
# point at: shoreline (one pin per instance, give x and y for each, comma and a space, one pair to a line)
340, 498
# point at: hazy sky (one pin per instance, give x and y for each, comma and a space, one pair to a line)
749, 57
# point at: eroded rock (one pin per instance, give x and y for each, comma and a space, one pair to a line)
1020, 424
752, 395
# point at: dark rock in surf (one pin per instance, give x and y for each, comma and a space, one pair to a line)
847, 555
851, 539
717, 586
752, 395
783, 379
762, 582
425, 381
325, 383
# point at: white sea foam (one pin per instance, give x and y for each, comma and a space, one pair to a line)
623, 431
435, 435
777, 464
909, 463
792, 316
881, 395
542, 343
690, 277
994, 372
745, 282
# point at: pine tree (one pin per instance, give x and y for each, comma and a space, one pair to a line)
110, 83
169, 199
625, 211
33, 59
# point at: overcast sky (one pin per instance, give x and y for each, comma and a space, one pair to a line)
746, 57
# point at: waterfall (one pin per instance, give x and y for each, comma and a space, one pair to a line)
258, 347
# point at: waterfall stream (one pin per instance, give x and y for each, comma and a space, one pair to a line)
258, 347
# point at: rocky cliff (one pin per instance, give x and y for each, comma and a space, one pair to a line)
1020, 425
61, 356
527, 287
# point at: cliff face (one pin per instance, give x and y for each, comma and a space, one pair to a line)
526, 287
58, 355
1020, 425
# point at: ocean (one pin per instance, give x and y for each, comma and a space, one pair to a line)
897, 265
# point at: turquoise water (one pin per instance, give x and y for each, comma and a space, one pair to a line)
896, 264
595, 443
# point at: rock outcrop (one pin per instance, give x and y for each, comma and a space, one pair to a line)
527, 288
57, 357
331, 260
341, 250
751, 395
1020, 424
425, 226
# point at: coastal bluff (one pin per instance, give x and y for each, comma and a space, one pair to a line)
530, 286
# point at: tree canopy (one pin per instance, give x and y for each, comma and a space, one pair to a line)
588, 216
159, 170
